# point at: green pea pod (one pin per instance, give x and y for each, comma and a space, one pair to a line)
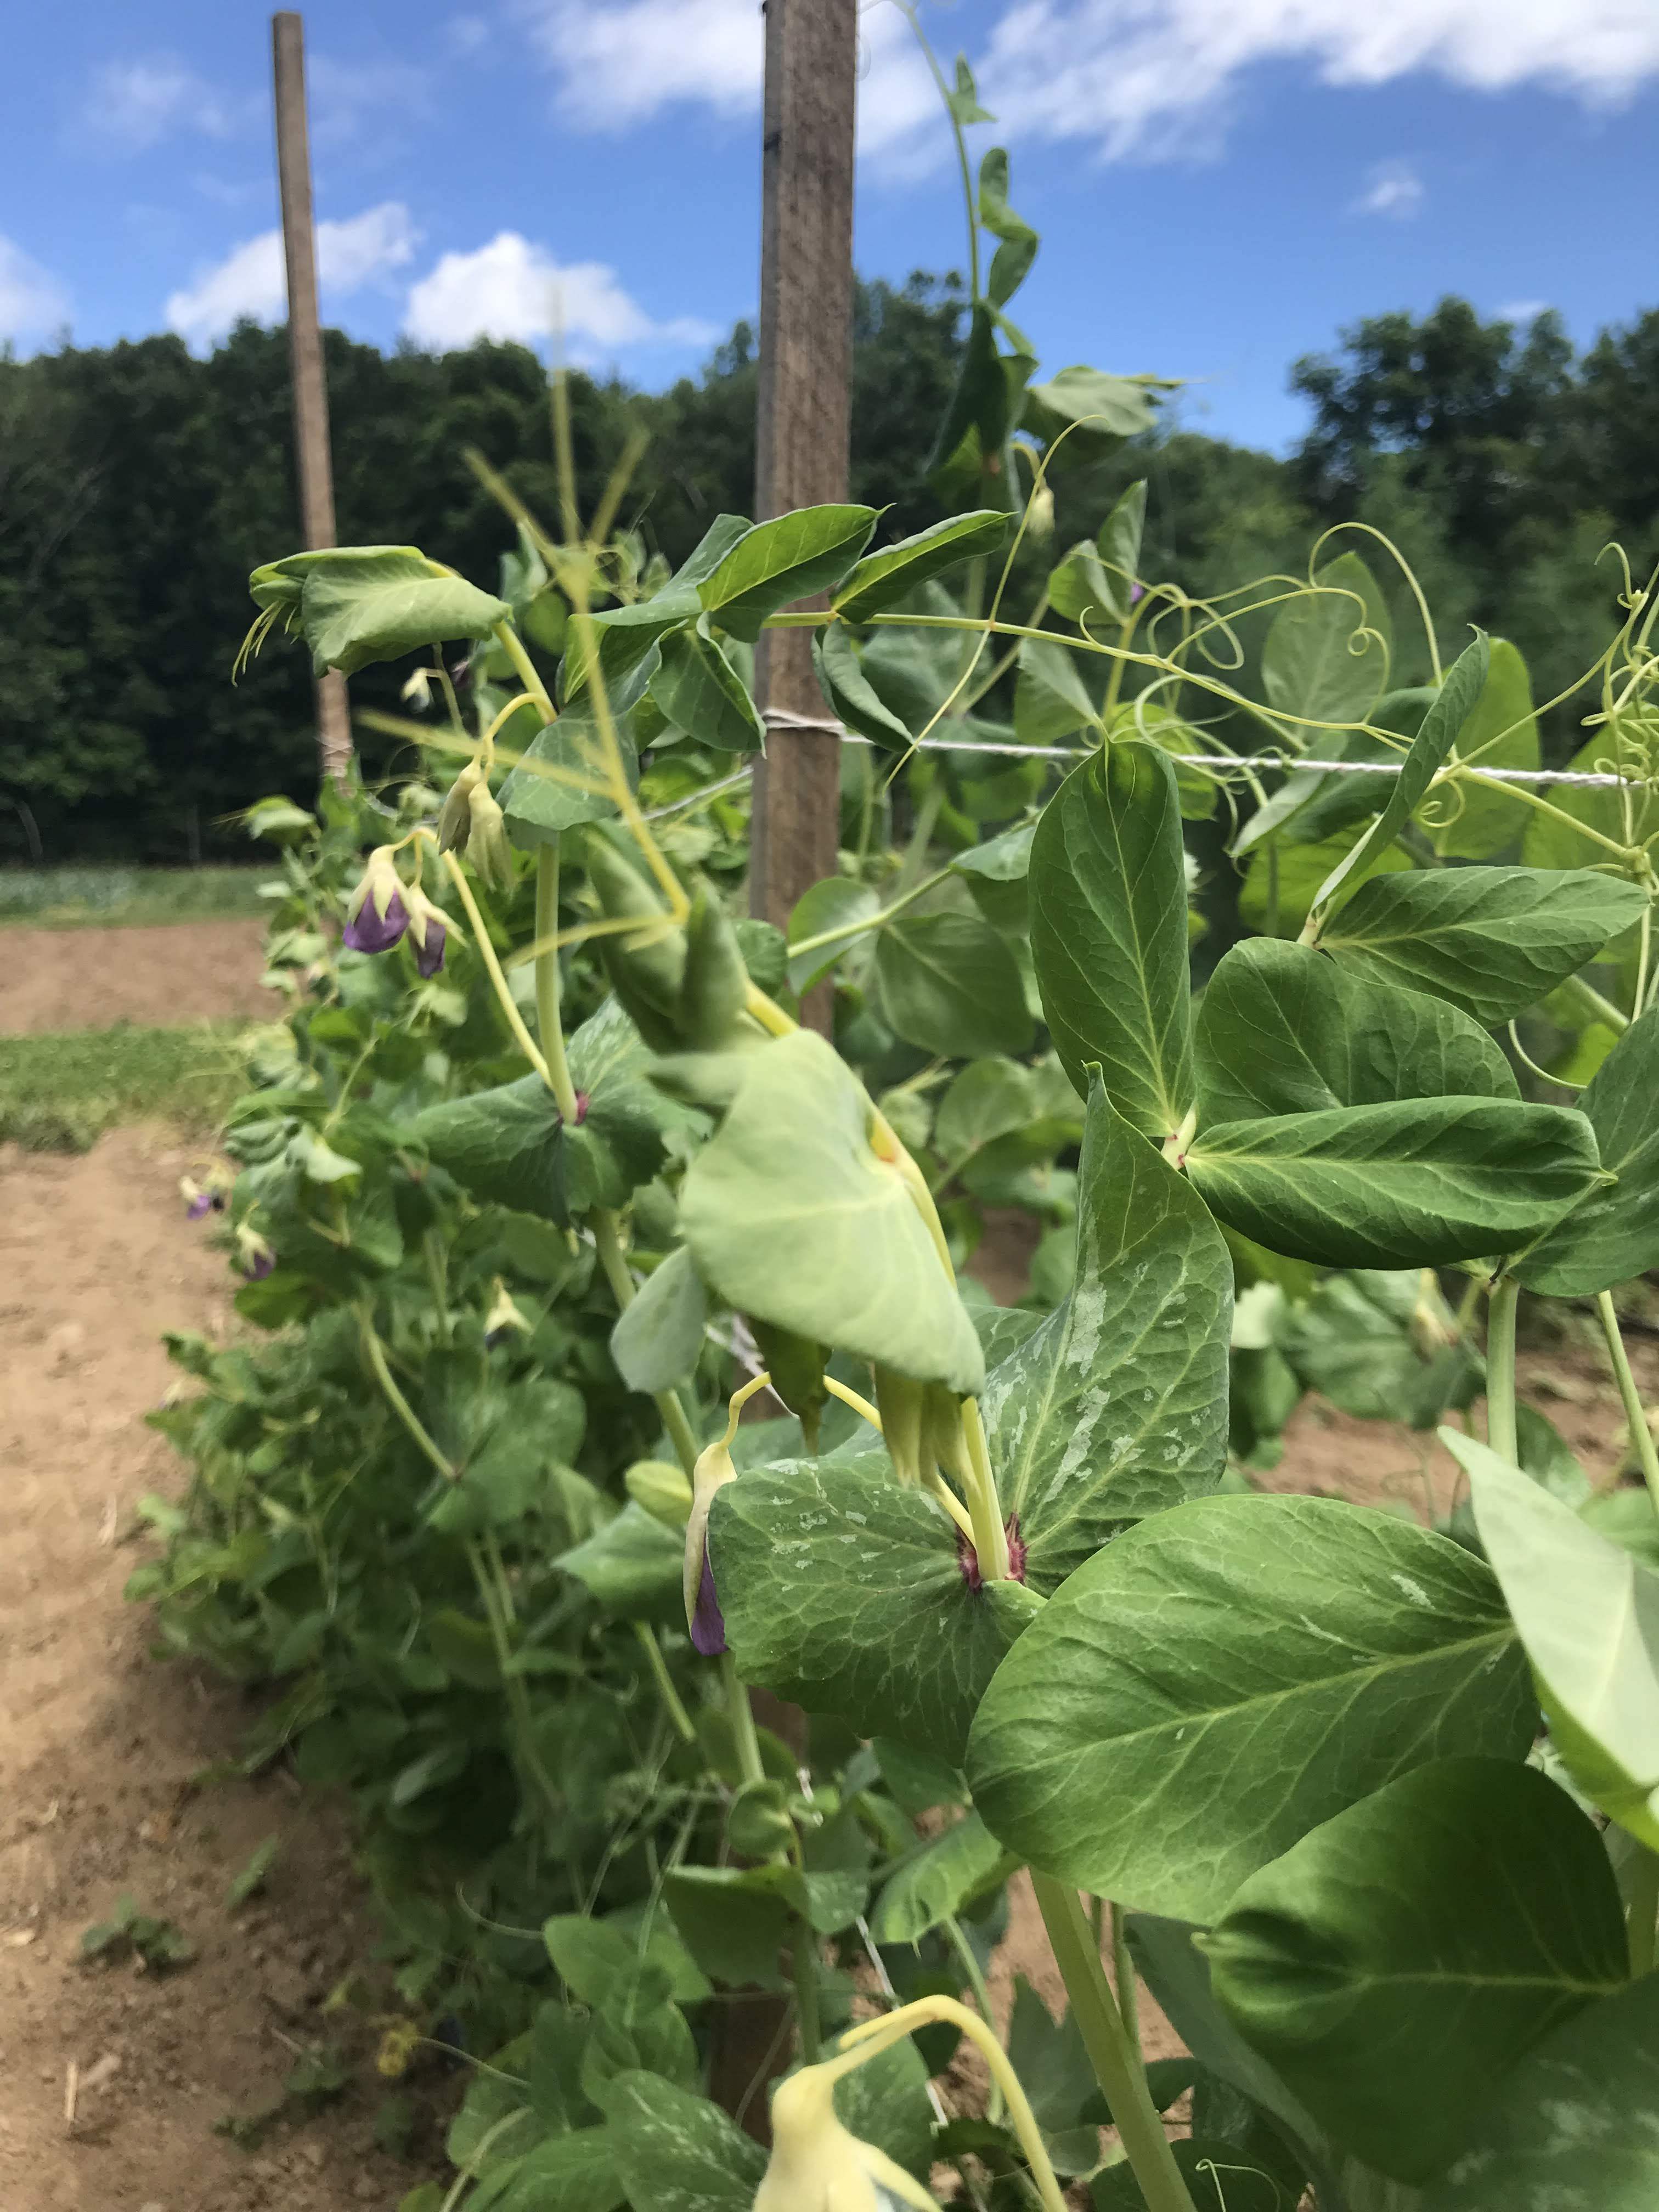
646, 978
716, 982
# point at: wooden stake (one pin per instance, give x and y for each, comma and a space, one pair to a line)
305, 340
805, 410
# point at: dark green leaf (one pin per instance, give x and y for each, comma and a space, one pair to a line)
949, 983
700, 692
1277, 891
678, 2153
1613, 1233
1451, 1920
632, 1567
850, 693
1050, 699
1226, 1675
734, 1921
538, 807
776, 562
883, 578
1109, 934
578, 2172
1017, 241
1219, 2177
835, 903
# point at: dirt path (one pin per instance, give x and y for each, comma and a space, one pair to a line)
98, 1745
85, 979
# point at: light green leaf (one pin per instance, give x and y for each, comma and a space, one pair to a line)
1050, 699
1281, 1030
835, 902
1441, 724
1119, 544
1574, 2129
776, 562
883, 578
1222, 1678
679, 2153
700, 692
1080, 591
949, 983
1493, 941
790, 1215
1625, 747
656, 1341
1316, 664
1099, 409
537, 808
632, 1567
1018, 246
850, 693
938, 1880
1004, 859
1108, 887
1503, 732
1450, 1921
1588, 1613
1277, 894
990, 1098
375, 602
1613, 1233
1414, 1185
577, 2172
1117, 1406
845, 1591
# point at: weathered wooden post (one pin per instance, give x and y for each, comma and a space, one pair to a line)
314, 466
805, 409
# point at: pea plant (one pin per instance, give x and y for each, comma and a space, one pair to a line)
544, 1194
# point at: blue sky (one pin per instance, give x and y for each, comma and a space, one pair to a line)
1220, 185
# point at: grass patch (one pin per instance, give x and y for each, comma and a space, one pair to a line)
59, 1093
83, 898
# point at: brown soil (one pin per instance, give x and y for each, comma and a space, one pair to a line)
99, 1747
83, 979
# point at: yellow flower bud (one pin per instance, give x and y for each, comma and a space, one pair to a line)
818, 2166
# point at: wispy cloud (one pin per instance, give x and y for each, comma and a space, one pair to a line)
1393, 189
32, 301
511, 288
250, 281
131, 105
1523, 311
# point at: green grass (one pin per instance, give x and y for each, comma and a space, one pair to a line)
59, 1093
89, 898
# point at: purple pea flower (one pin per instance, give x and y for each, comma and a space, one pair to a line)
429, 948
708, 1621
1137, 594
259, 1266
370, 931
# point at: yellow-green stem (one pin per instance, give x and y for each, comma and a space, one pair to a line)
874, 921
547, 980
984, 1507
976, 1982
375, 1354
515, 1020
741, 1716
1641, 1889
673, 1705
1635, 1418
1500, 1369
513, 645
1117, 2064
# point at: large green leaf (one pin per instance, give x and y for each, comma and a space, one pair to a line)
949, 983
1493, 941
790, 1216
846, 1592
776, 562
938, 1880
1588, 1613
1050, 699
1317, 665
834, 902
623, 636
1501, 732
1395, 1964
1613, 1233
1419, 1184
850, 693
1107, 886
700, 692
1576, 2126
1452, 705
1117, 1406
1281, 1030
1098, 409
883, 578
678, 2153
1222, 1678
358, 604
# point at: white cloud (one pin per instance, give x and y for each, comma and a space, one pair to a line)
1142, 77
132, 106
351, 100
1523, 311
1393, 188
466, 35
31, 301
510, 289
250, 280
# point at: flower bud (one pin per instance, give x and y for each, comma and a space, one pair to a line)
418, 692
254, 1255
203, 1198
376, 916
1040, 515
503, 1319
818, 2166
486, 846
429, 930
455, 816
713, 1470
661, 1489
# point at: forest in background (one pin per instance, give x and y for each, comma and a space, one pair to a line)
139, 484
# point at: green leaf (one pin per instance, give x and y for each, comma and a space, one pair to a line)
250, 1879
888, 575
1004, 859
1018, 242
367, 602
1219, 2177
1108, 889
632, 1567
937, 1882
885, 2102
1119, 545
1080, 591
1625, 748
850, 693
990, 1098
678, 2153
835, 902
949, 983
537, 808
624, 635
656, 1341
1117, 1406
1277, 894
1573, 2129
1613, 1233
1451, 1921
845, 1591
1316, 664
1222, 1678
1587, 1613
1493, 941
1281, 1030
776, 562
1503, 730
578, 2171
1052, 2061
734, 1921
1100, 410
789, 1214
1050, 699
1417, 1184
700, 692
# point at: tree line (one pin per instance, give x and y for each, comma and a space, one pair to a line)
139, 484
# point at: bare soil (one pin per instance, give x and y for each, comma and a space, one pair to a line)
86, 979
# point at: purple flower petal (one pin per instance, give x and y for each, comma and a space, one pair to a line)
429, 956
259, 1267
203, 1202
1137, 594
708, 1622
369, 932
